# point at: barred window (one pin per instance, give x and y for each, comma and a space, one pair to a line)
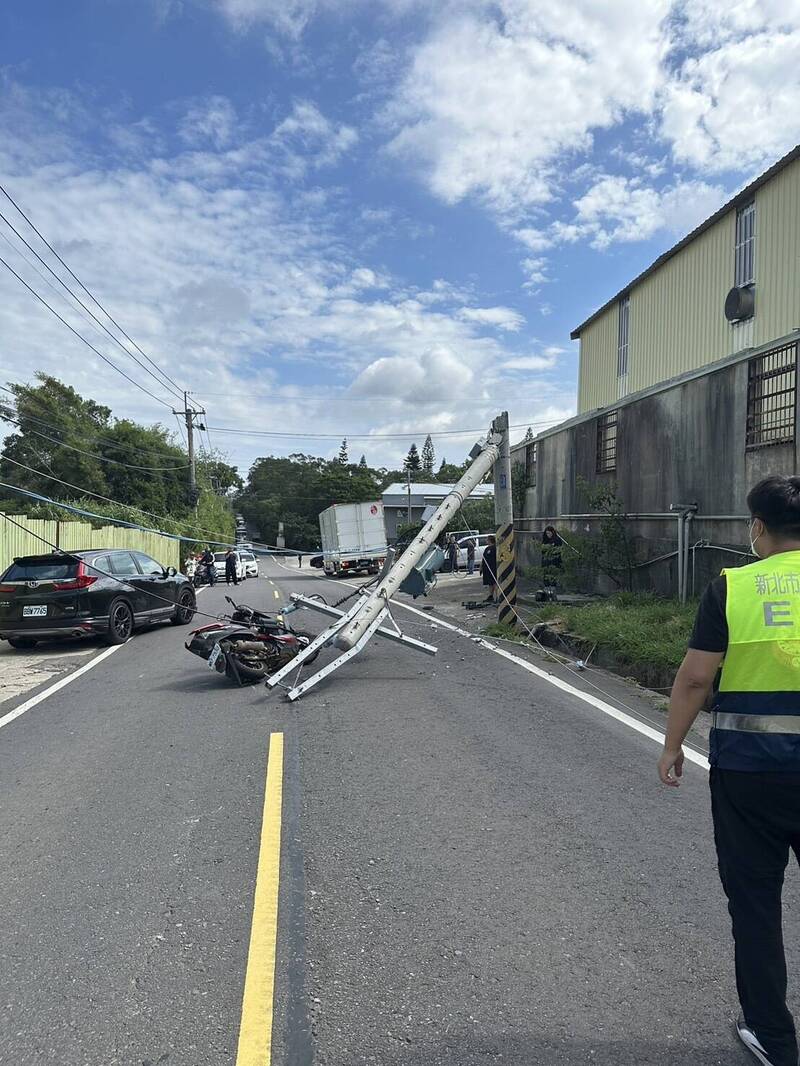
745, 251
772, 397
607, 443
531, 455
622, 336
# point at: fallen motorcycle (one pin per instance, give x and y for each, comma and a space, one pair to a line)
248, 645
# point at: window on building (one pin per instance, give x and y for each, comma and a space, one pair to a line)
745, 255
607, 443
531, 455
772, 397
622, 337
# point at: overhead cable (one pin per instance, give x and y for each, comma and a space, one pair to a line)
80, 336
170, 388
91, 295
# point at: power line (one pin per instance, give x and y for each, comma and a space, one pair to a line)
80, 336
106, 499
372, 436
80, 302
91, 455
91, 295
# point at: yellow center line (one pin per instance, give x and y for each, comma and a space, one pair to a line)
255, 1031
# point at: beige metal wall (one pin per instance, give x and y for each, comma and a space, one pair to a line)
677, 320
597, 377
72, 536
778, 256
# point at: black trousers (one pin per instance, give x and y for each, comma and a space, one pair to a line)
756, 824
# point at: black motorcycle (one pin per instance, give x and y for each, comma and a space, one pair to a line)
248, 645
203, 576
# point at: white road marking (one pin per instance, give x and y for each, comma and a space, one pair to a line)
62, 683
691, 755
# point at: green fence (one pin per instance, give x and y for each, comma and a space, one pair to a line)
72, 536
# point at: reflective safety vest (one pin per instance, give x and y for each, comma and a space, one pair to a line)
757, 709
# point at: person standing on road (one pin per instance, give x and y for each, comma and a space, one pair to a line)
552, 562
470, 556
489, 569
452, 554
207, 559
751, 616
299, 559
231, 559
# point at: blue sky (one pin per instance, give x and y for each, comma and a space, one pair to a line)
334, 216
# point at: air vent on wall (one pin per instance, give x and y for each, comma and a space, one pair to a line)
740, 303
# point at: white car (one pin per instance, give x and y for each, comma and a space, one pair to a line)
219, 566
481, 543
250, 564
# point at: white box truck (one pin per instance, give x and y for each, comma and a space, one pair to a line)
353, 538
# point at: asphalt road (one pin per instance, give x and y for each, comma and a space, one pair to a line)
476, 868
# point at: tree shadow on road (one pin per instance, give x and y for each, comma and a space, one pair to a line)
542, 1050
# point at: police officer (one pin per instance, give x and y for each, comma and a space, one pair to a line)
751, 617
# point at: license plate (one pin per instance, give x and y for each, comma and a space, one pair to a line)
215, 654
35, 612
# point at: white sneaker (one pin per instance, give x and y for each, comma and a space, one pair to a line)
751, 1042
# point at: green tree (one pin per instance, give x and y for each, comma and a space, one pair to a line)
343, 457
449, 473
428, 455
412, 460
362, 462
54, 430
528, 435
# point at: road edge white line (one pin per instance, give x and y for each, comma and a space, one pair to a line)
58, 685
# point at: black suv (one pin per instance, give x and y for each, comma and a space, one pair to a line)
79, 594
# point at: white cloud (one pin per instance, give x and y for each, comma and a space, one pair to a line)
530, 362
289, 17
620, 209
493, 98
736, 107
501, 317
243, 290
309, 138
211, 120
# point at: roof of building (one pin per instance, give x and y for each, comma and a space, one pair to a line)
740, 198
432, 488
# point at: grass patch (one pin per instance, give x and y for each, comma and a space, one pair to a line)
503, 631
640, 629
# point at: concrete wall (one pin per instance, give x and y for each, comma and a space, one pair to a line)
682, 444
677, 320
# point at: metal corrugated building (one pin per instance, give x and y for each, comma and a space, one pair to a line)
676, 316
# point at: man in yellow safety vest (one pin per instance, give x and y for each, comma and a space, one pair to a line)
750, 617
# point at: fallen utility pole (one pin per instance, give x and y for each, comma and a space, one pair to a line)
351, 632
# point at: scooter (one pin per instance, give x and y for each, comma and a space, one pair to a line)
248, 645
202, 575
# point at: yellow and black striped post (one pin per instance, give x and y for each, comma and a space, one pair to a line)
506, 575
504, 521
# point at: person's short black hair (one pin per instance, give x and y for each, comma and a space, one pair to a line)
776, 501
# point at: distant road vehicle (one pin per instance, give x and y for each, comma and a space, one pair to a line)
250, 563
105, 592
353, 538
219, 566
318, 561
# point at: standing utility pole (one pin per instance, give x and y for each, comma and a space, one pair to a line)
504, 520
189, 414
408, 486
